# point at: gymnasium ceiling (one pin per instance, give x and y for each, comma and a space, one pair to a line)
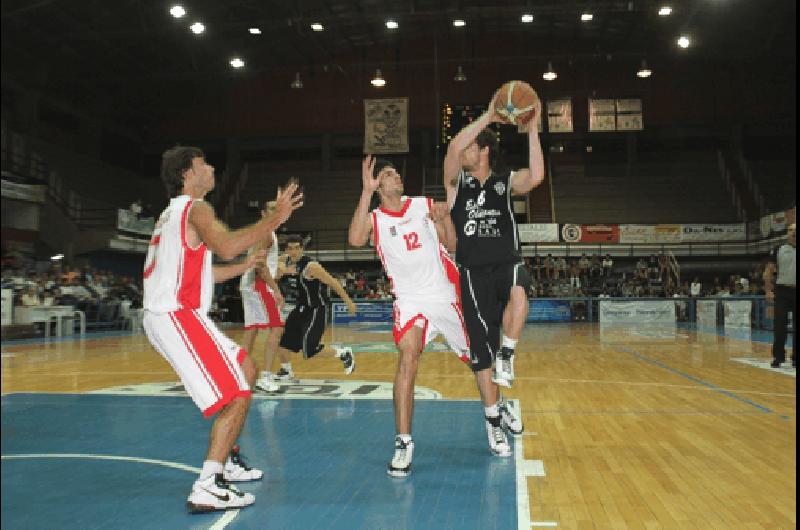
88, 51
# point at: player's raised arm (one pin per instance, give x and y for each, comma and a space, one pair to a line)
360, 225
467, 135
230, 243
527, 179
440, 215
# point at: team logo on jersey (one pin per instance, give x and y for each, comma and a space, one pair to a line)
500, 188
482, 198
470, 227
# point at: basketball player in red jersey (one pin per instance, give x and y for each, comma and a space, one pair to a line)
410, 236
178, 285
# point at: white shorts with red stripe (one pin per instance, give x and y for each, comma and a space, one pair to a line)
208, 362
435, 318
260, 308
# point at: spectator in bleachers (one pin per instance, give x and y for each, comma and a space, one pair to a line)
574, 276
563, 268
583, 267
548, 266
608, 264
48, 298
595, 267
537, 268
696, 288
30, 297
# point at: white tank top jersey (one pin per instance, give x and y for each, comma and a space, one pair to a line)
248, 280
409, 249
176, 276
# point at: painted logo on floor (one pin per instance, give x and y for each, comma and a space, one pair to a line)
295, 389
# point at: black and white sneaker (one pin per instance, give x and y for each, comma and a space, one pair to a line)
237, 470
498, 443
511, 423
284, 375
400, 466
348, 359
216, 493
503, 373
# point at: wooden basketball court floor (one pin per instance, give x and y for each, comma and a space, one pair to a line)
624, 428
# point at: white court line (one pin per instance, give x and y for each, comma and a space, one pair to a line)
221, 523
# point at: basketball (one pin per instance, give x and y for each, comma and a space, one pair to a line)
516, 102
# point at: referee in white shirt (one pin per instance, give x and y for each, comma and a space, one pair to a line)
783, 291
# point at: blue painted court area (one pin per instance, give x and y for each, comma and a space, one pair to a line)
324, 462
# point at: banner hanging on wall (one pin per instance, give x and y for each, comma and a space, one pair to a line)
386, 126
538, 232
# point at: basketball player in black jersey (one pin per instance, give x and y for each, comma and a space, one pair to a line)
493, 277
306, 323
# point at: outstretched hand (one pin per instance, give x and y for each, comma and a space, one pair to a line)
368, 180
439, 211
288, 200
256, 258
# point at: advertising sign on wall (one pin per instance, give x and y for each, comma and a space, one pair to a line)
549, 311
367, 312
538, 232
637, 312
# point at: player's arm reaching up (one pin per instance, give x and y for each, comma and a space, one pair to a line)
228, 244
467, 135
440, 215
315, 271
361, 224
528, 178
263, 271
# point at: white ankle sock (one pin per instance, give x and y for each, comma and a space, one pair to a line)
509, 343
493, 411
405, 437
287, 366
210, 468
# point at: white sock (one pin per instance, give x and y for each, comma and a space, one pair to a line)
266, 374
405, 437
509, 343
210, 468
493, 411
287, 366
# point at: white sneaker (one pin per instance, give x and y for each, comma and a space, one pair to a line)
498, 443
503, 373
215, 493
400, 466
266, 384
236, 470
348, 359
284, 375
510, 422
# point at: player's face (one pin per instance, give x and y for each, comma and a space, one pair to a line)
269, 209
391, 181
202, 174
470, 157
294, 250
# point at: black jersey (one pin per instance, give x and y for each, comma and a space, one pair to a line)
310, 293
484, 220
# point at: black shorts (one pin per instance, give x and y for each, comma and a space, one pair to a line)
304, 328
484, 294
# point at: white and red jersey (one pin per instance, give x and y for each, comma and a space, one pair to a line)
177, 276
249, 278
408, 245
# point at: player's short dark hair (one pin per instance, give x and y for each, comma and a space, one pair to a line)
382, 164
174, 162
488, 138
295, 238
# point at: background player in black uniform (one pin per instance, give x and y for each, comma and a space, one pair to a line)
306, 323
493, 278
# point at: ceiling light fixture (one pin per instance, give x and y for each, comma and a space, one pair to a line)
197, 28
684, 41
297, 84
392, 24
460, 75
237, 62
644, 71
316, 26
378, 81
177, 11
550, 74
527, 18
586, 17
254, 31
459, 23
665, 11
